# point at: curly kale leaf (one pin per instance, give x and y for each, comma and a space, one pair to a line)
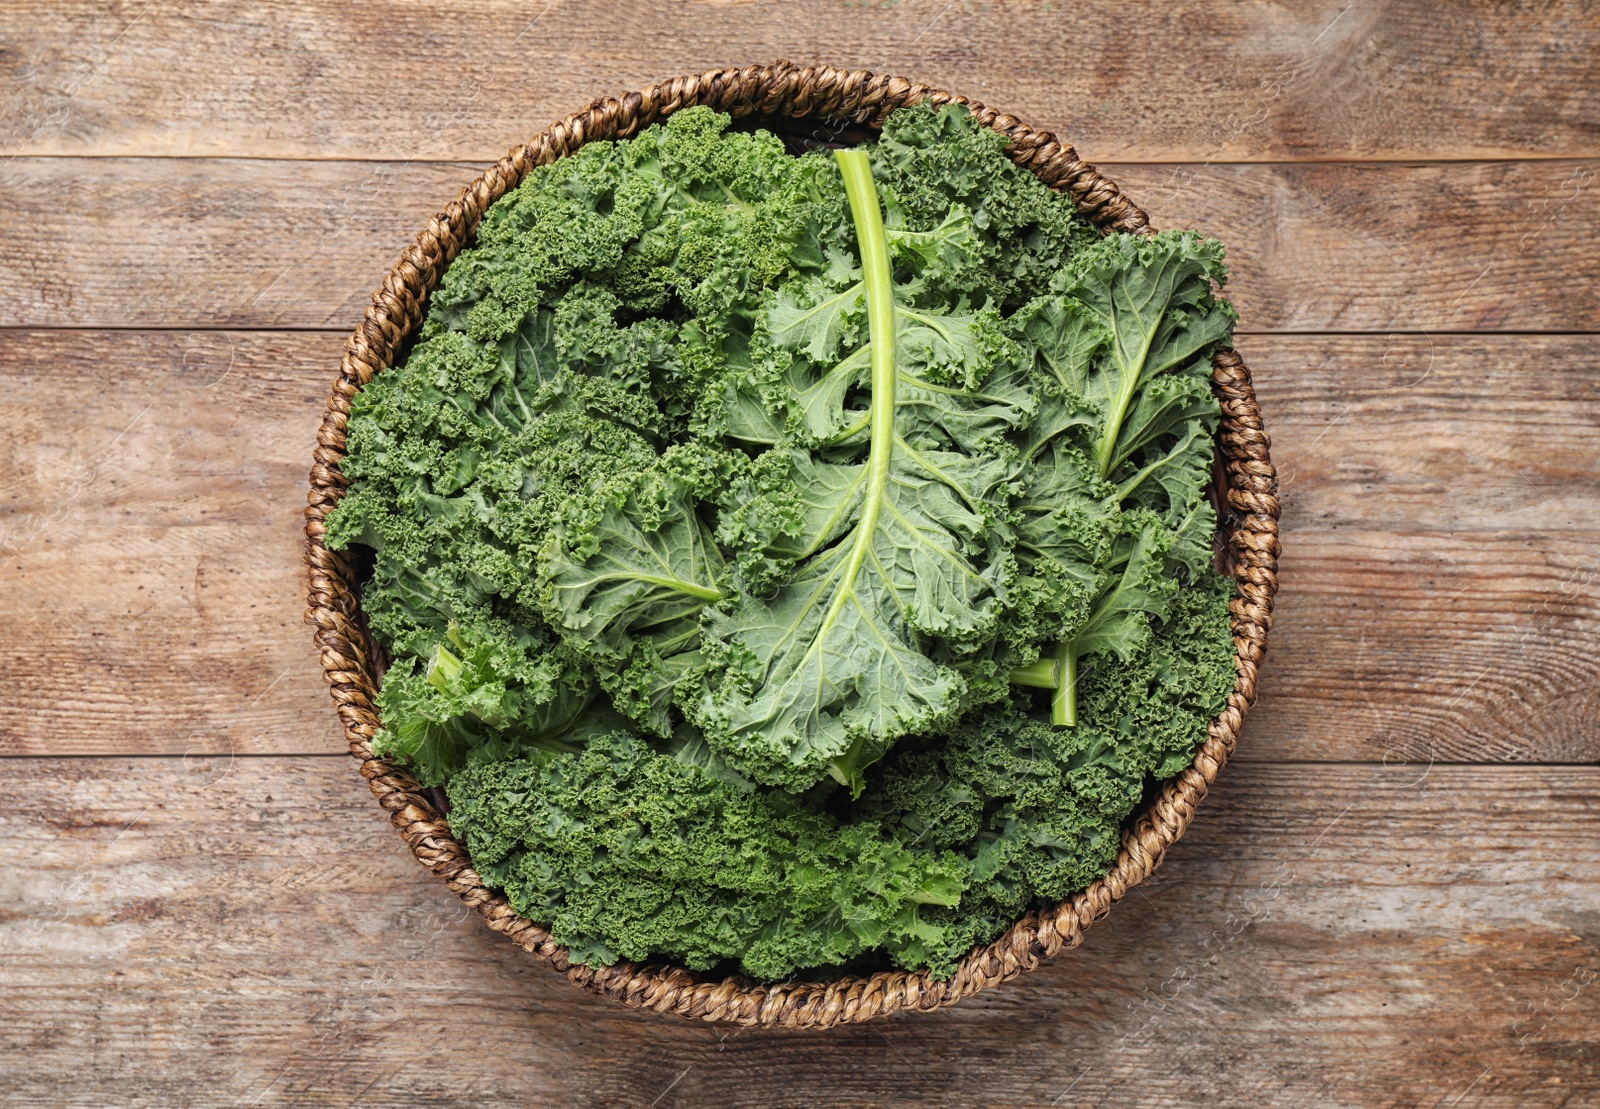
533, 413
1128, 333
936, 167
1120, 452
630, 853
638, 556
1038, 809
484, 692
835, 665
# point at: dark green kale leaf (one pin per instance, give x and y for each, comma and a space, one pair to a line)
630, 853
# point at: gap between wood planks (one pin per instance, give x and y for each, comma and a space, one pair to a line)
1280, 763
1239, 333
1105, 164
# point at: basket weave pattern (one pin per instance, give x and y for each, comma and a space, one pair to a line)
349, 658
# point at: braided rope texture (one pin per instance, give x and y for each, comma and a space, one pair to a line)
350, 660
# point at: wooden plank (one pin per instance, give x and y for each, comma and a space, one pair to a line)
201, 243
1418, 432
1432, 646
1392, 248
252, 932
1439, 575
153, 589
1138, 81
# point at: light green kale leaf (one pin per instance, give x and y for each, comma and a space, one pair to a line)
1128, 333
891, 554
1119, 455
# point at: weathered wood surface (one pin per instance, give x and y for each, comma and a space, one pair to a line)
251, 932
151, 242
1441, 576
1130, 81
152, 586
1351, 921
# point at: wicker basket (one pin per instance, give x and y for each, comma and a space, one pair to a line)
350, 660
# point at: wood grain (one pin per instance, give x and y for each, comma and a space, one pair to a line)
1416, 432
1417, 647
1132, 81
1392, 248
201, 243
215, 927
1441, 537
252, 932
151, 577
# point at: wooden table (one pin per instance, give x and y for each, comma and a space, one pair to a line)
1392, 897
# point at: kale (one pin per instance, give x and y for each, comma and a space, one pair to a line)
730, 503
630, 851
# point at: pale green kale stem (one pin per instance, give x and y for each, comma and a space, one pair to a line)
878, 283
1059, 674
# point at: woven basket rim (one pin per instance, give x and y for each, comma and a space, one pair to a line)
1249, 523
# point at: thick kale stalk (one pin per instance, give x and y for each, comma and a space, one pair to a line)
878, 290
1058, 673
